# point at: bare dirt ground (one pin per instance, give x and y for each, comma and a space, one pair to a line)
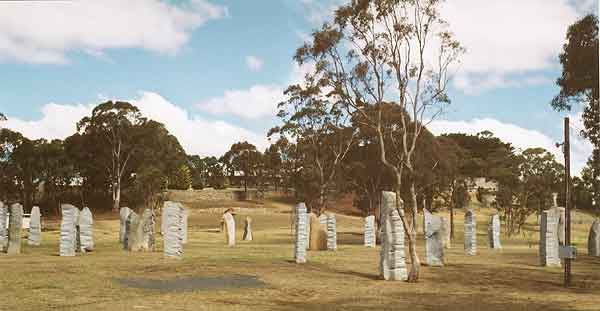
260, 275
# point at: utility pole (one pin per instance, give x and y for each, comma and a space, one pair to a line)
567, 152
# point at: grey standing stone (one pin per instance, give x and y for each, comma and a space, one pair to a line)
15, 223
434, 240
446, 232
308, 230
470, 233
323, 219
494, 232
229, 228
392, 259
369, 236
331, 232
123, 214
549, 239
149, 222
86, 234
3, 227
560, 213
35, 227
248, 229
594, 239
68, 230
301, 232
174, 227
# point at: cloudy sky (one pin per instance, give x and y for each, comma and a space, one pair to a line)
213, 71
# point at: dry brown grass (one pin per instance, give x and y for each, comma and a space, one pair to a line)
343, 280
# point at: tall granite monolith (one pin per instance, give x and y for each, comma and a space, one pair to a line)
229, 229
494, 232
174, 227
300, 234
247, 229
369, 235
392, 259
331, 232
434, 241
123, 214
68, 230
318, 234
594, 239
15, 223
470, 233
3, 227
446, 232
34, 238
86, 231
548, 248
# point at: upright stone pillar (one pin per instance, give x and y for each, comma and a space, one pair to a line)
446, 232
549, 239
494, 232
594, 239
369, 236
318, 234
15, 223
308, 228
229, 228
86, 231
68, 230
3, 225
248, 229
123, 215
149, 238
331, 232
174, 226
470, 233
434, 244
392, 259
301, 232
35, 227
560, 213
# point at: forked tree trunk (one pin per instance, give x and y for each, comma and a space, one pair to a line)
413, 275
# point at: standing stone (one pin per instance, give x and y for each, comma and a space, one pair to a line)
173, 214
134, 240
331, 232
434, 241
470, 233
594, 239
301, 232
318, 234
229, 222
15, 222
86, 235
446, 232
185, 226
35, 227
560, 213
149, 238
3, 225
68, 230
549, 239
308, 228
392, 259
123, 214
494, 232
323, 219
370, 231
248, 229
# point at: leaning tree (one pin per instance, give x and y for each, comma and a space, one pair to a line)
398, 51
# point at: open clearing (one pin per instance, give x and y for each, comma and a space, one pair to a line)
260, 275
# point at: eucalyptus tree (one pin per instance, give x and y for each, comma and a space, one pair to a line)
398, 51
242, 157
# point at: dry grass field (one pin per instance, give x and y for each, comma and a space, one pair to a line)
347, 279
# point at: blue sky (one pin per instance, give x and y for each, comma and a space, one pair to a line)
213, 71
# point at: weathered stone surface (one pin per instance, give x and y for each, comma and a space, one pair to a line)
140, 232
123, 214
3, 225
369, 236
301, 232
560, 213
470, 233
446, 232
15, 222
549, 239
434, 241
318, 234
392, 260
86, 234
173, 225
149, 238
248, 229
229, 229
331, 232
494, 232
34, 238
594, 239
308, 228
68, 230
323, 219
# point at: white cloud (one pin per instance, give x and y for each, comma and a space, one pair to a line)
254, 63
196, 134
44, 32
521, 138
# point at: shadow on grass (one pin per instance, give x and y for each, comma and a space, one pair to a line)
194, 283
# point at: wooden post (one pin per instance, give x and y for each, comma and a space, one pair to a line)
567, 152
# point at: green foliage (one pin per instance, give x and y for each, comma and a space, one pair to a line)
181, 179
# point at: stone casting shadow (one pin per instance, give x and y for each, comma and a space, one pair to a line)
194, 283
